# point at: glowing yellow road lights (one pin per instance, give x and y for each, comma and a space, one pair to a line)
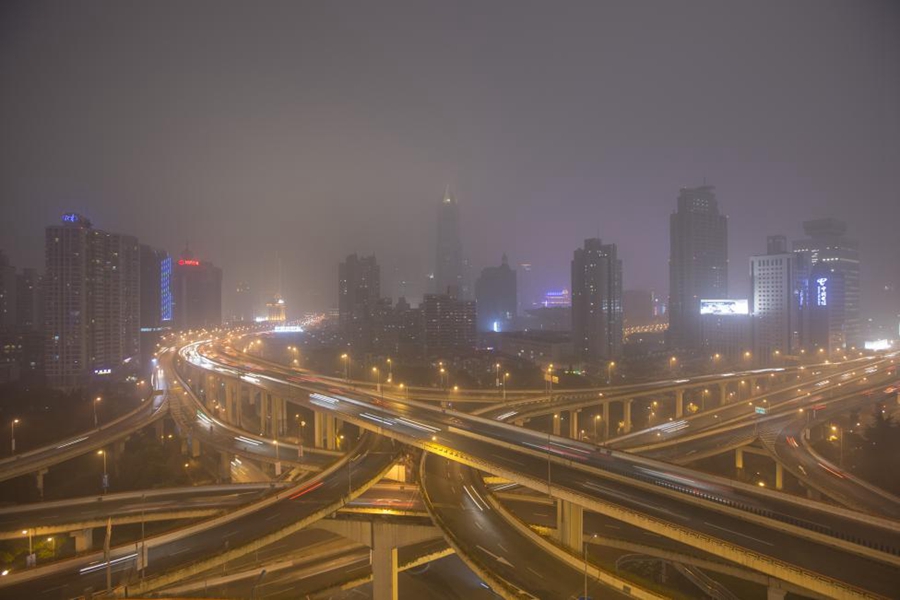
609, 371
95, 403
505, 384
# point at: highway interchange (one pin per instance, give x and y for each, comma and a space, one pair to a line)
839, 548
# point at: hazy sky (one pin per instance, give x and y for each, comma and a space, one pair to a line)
315, 129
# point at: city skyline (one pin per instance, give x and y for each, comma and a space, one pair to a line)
553, 177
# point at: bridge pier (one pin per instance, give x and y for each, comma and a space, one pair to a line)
573, 424
570, 525
232, 398
324, 428
775, 592
556, 423
679, 403
264, 414
739, 460
225, 467
605, 420
779, 476
195, 447
84, 540
626, 416
39, 480
723, 393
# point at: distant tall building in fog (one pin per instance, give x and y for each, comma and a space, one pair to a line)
495, 296
448, 272
92, 300
196, 293
698, 262
243, 303
639, 307
276, 309
773, 306
156, 288
449, 324
359, 290
7, 294
29, 315
597, 317
828, 285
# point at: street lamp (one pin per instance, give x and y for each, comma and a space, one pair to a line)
672, 361
609, 370
497, 375
585, 542
12, 428
840, 435
105, 471
596, 422
346, 358
96, 401
378, 376
550, 380
390, 365
505, 383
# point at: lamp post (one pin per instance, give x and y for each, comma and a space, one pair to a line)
378, 378
390, 365
609, 370
346, 358
672, 363
585, 543
840, 433
96, 401
505, 383
12, 428
550, 380
596, 422
105, 472
497, 375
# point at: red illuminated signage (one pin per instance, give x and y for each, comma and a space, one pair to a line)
188, 263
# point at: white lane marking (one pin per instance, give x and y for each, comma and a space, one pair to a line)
499, 559
740, 534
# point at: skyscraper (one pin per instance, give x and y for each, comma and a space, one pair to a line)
828, 285
156, 292
596, 302
448, 272
92, 302
495, 295
243, 303
772, 300
7, 294
196, 293
698, 262
359, 289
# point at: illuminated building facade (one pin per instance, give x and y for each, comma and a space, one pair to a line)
91, 302
773, 301
495, 295
196, 293
698, 263
597, 315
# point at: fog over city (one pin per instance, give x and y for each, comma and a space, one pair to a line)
307, 131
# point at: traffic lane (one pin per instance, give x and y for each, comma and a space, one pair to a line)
457, 495
36, 516
769, 541
384, 412
374, 455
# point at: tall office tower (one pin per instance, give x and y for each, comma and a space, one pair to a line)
450, 326
773, 307
359, 289
698, 263
448, 272
196, 293
495, 295
8, 282
28, 300
525, 292
276, 309
596, 302
828, 286
243, 303
156, 290
91, 300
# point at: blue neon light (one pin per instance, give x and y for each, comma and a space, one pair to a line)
822, 291
165, 291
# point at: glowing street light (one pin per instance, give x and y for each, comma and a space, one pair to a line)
96, 401
12, 427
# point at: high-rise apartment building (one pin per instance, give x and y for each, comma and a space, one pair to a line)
698, 262
243, 304
450, 327
91, 302
8, 282
597, 317
828, 286
196, 293
156, 288
359, 290
448, 272
495, 295
28, 300
773, 304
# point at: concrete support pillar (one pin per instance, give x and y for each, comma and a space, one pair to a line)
159, 429
779, 476
385, 567
279, 412
723, 392
739, 459
324, 430
84, 540
39, 480
605, 420
626, 418
573, 425
773, 592
264, 414
570, 525
232, 398
224, 466
557, 418
679, 404
195, 447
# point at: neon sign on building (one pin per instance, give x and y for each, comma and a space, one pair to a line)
188, 262
822, 291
